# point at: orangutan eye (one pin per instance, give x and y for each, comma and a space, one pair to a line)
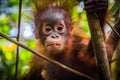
60, 28
47, 30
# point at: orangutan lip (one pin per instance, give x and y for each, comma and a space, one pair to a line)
53, 45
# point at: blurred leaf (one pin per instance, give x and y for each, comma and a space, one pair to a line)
115, 7
75, 14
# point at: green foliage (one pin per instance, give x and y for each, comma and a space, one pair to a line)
8, 20
84, 23
115, 7
8, 57
7, 62
4, 25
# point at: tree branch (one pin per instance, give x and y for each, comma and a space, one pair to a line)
99, 46
46, 58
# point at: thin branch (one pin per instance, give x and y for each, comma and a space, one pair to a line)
46, 58
18, 36
113, 61
113, 29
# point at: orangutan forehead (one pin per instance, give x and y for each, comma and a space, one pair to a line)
53, 15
